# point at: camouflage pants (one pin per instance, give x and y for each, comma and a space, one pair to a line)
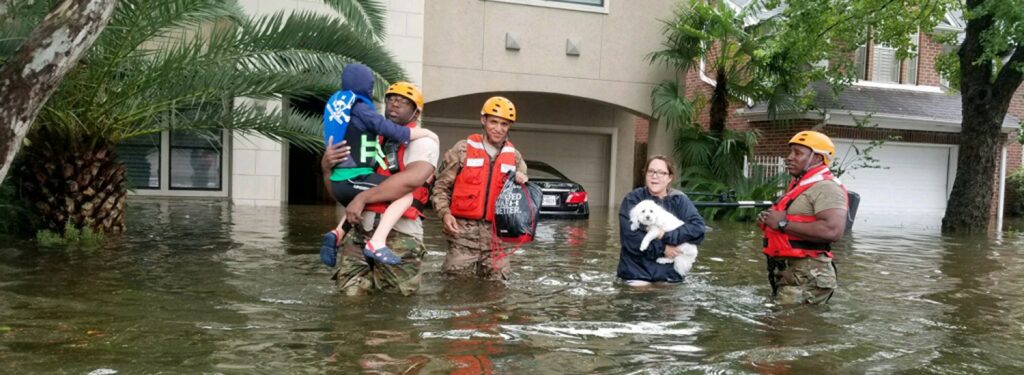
469, 252
802, 280
358, 275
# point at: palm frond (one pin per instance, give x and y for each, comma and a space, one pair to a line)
247, 118
670, 106
364, 16
308, 31
137, 24
180, 64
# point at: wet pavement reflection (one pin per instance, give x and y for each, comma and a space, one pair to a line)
207, 287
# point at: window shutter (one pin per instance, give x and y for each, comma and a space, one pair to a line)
861, 63
884, 66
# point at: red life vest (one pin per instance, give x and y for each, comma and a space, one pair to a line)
778, 244
420, 196
479, 182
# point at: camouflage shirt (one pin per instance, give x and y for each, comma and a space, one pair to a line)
451, 165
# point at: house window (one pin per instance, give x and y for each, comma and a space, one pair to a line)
879, 64
177, 164
861, 63
594, 6
195, 162
598, 3
141, 156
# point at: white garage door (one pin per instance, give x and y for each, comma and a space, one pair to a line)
583, 157
909, 190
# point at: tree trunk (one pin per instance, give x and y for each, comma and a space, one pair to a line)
985, 102
84, 188
29, 78
719, 111
970, 201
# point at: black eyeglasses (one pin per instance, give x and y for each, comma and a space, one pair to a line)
397, 100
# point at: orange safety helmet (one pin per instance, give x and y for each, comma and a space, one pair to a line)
408, 91
501, 107
817, 142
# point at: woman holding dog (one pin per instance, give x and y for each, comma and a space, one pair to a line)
640, 267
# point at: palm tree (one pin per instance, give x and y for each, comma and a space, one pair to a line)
180, 65
717, 39
714, 35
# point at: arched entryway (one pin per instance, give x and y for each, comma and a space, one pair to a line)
589, 141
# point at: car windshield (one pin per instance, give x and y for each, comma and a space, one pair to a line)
543, 171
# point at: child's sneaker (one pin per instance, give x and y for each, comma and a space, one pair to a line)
381, 255
329, 248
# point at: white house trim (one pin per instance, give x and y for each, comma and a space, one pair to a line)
560, 5
1002, 191
898, 86
885, 121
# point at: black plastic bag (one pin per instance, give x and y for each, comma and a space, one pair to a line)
516, 211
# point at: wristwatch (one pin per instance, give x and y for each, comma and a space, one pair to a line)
782, 225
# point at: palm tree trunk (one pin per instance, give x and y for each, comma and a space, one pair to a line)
719, 112
83, 188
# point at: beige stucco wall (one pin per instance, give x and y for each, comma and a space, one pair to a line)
466, 53
608, 84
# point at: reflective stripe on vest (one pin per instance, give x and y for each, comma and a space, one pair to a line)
480, 181
419, 196
778, 244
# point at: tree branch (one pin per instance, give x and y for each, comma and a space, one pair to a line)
1010, 75
852, 16
971, 49
34, 73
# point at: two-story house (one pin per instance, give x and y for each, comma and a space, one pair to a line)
907, 104
575, 69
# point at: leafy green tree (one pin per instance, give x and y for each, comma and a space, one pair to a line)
182, 65
986, 64
988, 68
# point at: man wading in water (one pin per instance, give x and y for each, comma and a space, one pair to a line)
801, 227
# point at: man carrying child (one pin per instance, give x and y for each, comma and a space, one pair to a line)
349, 114
415, 164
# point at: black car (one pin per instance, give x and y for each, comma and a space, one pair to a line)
563, 198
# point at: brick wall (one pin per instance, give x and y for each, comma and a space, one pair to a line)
1013, 150
774, 138
928, 51
642, 129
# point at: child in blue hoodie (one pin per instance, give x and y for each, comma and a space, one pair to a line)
350, 115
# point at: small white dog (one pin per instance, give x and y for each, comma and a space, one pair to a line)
652, 217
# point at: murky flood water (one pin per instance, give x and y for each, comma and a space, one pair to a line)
204, 287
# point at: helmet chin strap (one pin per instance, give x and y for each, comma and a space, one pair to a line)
807, 166
412, 117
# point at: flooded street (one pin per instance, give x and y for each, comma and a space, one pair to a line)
206, 287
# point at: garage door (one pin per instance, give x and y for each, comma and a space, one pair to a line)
909, 190
583, 157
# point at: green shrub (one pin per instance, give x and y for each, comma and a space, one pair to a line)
71, 237
741, 188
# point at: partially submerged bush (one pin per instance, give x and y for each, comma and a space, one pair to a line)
71, 237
